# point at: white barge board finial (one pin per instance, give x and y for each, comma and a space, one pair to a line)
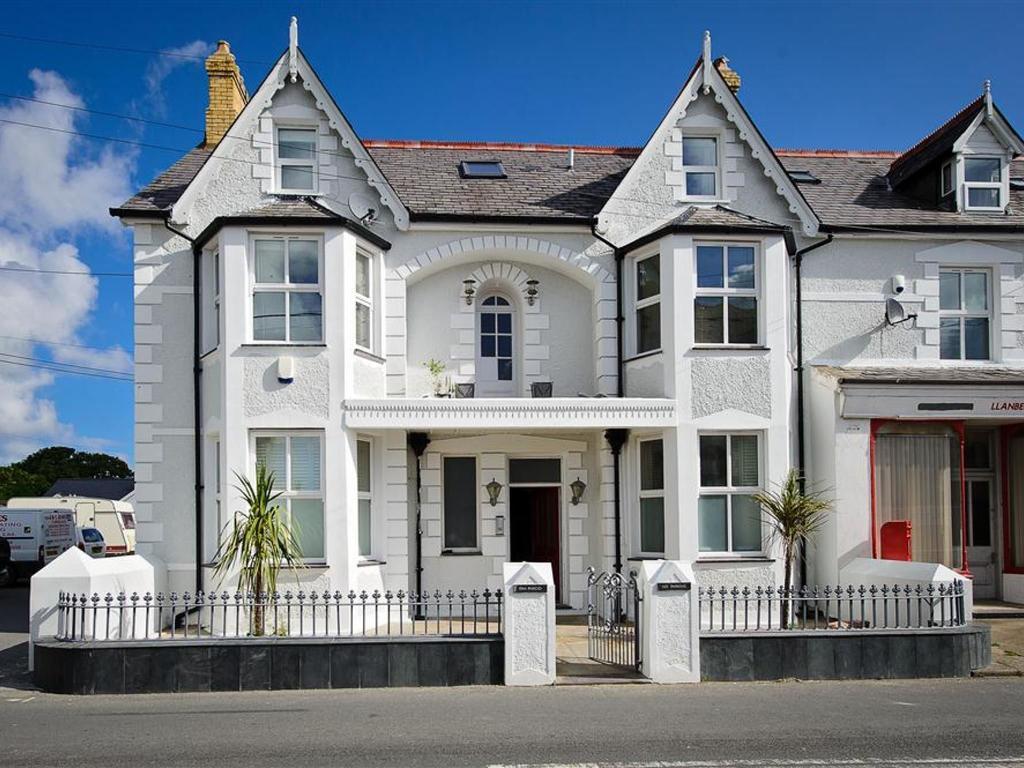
293, 48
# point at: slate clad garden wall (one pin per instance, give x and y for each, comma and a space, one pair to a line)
860, 655
266, 664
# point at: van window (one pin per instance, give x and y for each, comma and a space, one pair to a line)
91, 536
128, 520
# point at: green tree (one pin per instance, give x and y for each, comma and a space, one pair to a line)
15, 481
794, 513
60, 461
258, 542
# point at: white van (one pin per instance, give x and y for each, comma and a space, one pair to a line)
114, 519
36, 536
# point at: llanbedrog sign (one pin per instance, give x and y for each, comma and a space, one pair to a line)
1008, 405
922, 402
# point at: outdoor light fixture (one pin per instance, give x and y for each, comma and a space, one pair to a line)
577, 487
493, 491
468, 290
531, 291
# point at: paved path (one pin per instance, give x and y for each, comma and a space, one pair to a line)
953, 722
1007, 648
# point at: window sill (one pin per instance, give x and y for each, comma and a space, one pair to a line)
642, 355
731, 348
735, 559
272, 344
370, 561
461, 552
313, 565
368, 355
643, 558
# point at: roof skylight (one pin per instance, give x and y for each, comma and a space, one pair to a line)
482, 169
804, 177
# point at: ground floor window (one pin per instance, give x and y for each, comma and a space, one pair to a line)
296, 459
364, 449
460, 505
1014, 474
919, 479
729, 520
652, 497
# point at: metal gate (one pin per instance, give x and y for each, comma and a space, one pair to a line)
613, 619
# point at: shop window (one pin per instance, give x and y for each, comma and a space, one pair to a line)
1015, 486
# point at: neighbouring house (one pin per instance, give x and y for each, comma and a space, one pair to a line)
111, 488
626, 343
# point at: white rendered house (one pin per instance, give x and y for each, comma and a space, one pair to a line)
616, 326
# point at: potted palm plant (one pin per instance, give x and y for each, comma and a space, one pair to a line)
794, 514
258, 542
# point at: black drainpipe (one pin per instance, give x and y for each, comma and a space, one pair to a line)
197, 397
801, 447
616, 439
419, 441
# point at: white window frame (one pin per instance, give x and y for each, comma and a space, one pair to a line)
286, 288
963, 313
730, 490
654, 493
639, 304
367, 496
476, 549
947, 167
1002, 185
716, 169
287, 494
312, 163
370, 301
498, 387
725, 292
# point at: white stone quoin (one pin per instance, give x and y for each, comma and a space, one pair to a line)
529, 624
670, 622
74, 571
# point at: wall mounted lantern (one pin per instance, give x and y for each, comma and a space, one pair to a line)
531, 291
493, 491
577, 487
469, 290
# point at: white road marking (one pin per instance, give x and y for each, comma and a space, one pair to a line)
960, 762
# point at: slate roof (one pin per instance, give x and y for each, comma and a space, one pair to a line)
715, 218
936, 144
973, 375
854, 192
115, 488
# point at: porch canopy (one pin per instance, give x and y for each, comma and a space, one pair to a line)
511, 413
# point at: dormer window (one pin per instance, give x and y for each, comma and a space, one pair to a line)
947, 179
296, 160
983, 183
700, 166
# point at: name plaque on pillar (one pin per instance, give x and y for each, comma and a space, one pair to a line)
674, 586
530, 588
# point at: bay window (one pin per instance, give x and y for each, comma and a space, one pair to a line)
964, 308
364, 492
729, 520
648, 304
652, 497
287, 296
725, 305
364, 300
296, 460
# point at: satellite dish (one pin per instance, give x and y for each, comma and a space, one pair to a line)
896, 313
362, 207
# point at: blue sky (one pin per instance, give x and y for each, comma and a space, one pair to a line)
849, 75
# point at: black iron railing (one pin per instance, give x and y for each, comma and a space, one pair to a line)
842, 608
209, 615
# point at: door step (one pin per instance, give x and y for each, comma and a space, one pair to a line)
604, 680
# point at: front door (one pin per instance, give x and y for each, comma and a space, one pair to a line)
533, 532
980, 553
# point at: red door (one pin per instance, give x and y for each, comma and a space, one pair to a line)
534, 526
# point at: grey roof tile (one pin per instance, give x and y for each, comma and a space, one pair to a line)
967, 374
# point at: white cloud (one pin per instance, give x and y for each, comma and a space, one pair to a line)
159, 68
56, 186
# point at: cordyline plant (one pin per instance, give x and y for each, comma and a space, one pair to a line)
794, 514
258, 542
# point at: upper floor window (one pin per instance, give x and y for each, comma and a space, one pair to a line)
725, 301
700, 166
964, 314
364, 300
648, 304
296, 461
495, 354
728, 518
983, 182
287, 296
296, 160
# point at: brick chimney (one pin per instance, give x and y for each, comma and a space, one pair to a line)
227, 93
731, 77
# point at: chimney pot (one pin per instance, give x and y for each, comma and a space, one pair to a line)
731, 77
226, 92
